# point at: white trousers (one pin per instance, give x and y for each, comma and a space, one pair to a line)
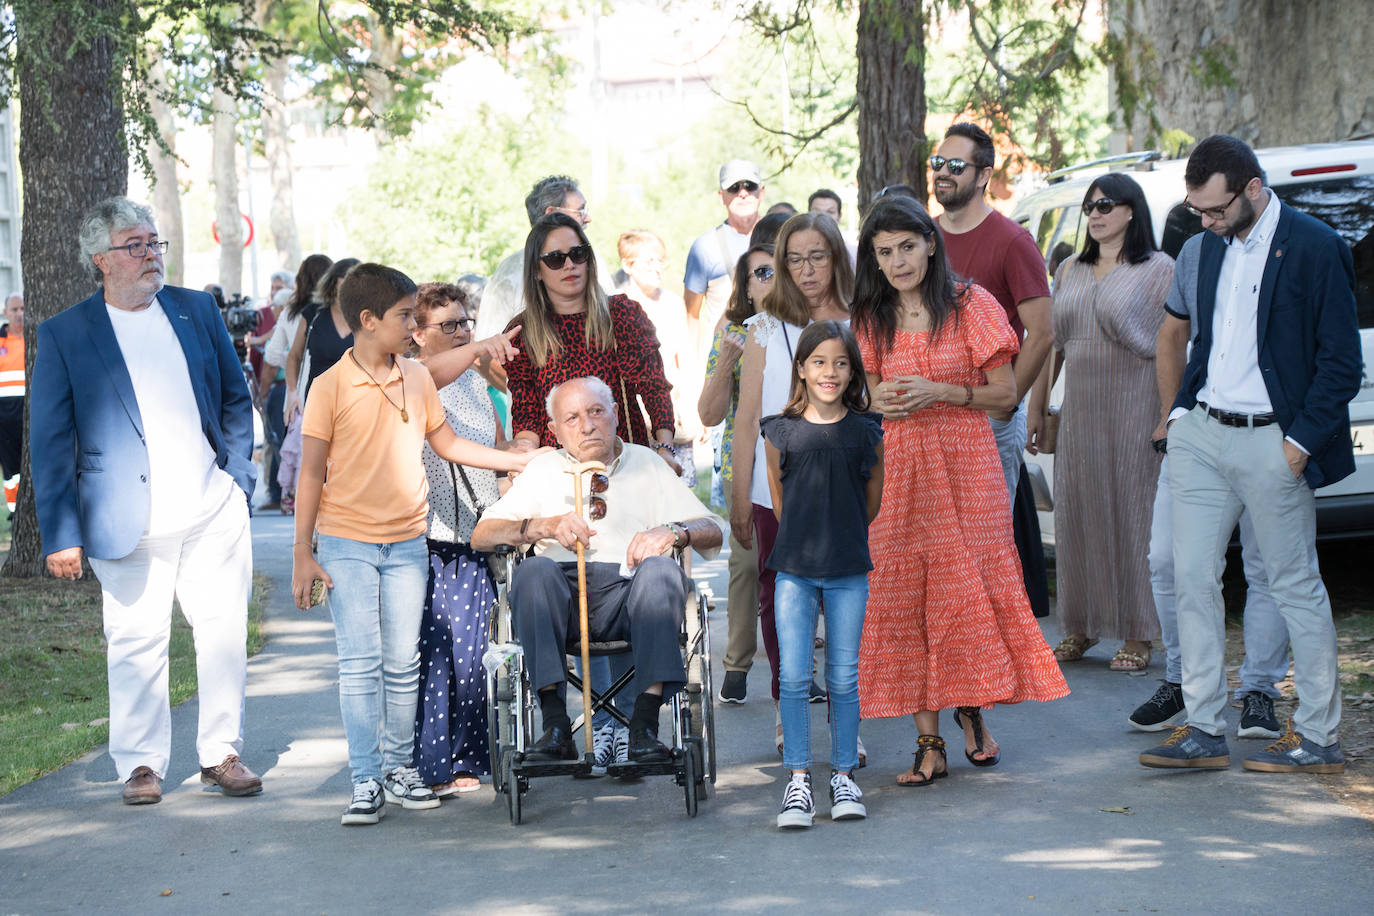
208, 568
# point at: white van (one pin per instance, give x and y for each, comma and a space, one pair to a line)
1333, 182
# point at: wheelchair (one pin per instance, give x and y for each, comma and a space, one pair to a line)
511, 703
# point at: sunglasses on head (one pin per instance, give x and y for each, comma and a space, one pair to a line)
763, 273
596, 506
1103, 205
578, 254
956, 166
746, 185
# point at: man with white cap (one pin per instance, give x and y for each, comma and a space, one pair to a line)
712, 258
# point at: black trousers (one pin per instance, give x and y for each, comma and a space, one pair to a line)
646, 610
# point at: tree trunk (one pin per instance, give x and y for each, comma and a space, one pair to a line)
166, 189
276, 142
71, 155
384, 50
228, 221
892, 96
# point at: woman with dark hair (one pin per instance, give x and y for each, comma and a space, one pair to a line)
812, 281
1108, 307
571, 329
717, 405
948, 623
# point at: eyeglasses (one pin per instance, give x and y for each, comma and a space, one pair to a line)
139, 250
451, 326
956, 166
764, 273
817, 259
1214, 213
1103, 205
734, 189
578, 254
581, 214
596, 505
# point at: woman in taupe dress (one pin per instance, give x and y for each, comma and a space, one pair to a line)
1108, 307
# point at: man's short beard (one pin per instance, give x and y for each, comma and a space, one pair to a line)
1246, 218
961, 197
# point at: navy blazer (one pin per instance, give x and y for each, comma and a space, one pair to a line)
1309, 338
86, 445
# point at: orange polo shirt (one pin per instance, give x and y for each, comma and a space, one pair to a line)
375, 489
12, 365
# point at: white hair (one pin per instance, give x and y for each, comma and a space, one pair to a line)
111, 215
286, 277
600, 388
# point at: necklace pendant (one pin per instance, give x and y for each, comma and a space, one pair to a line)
405, 417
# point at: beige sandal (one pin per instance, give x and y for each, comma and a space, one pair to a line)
1071, 648
1128, 661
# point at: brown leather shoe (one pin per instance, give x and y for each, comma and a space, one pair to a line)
143, 787
232, 777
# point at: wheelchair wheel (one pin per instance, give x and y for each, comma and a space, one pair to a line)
691, 773
701, 697
512, 787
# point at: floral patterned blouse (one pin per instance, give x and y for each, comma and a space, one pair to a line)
727, 439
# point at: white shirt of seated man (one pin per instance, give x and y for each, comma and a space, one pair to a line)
648, 509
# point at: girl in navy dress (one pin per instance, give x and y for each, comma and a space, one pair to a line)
825, 475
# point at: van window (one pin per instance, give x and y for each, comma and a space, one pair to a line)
1059, 235
1179, 228
1346, 205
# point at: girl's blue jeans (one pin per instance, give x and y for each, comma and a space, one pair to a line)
796, 604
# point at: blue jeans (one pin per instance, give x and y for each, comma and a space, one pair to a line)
377, 602
796, 602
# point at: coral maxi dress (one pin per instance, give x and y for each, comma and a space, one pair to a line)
948, 622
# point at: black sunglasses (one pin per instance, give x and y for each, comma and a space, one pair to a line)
578, 254
1103, 205
746, 185
956, 166
763, 273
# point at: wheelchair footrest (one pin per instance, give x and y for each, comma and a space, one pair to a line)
536, 768
669, 767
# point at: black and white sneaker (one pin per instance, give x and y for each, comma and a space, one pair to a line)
798, 807
1162, 711
603, 748
733, 688
622, 744
368, 805
844, 799
1258, 719
404, 787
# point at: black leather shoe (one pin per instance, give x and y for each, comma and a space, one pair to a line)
556, 744
645, 746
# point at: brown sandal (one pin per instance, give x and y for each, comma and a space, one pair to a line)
1071, 648
925, 744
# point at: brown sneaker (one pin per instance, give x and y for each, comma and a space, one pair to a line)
232, 777
143, 787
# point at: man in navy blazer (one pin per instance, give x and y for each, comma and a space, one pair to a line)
141, 437
1259, 422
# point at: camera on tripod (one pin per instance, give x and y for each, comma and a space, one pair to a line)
240, 318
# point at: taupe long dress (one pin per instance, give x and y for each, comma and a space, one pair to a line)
1105, 471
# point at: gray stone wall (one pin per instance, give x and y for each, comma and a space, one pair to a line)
1303, 69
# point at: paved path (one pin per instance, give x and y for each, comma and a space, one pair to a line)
1027, 836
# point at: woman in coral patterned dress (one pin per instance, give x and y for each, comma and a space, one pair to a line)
948, 623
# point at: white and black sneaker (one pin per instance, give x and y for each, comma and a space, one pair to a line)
798, 808
1258, 719
622, 744
844, 799
603, 748
368, 805
1162, 711
404, 787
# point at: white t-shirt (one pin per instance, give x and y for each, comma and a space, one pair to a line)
185, 484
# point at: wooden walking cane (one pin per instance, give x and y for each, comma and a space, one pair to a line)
577, 470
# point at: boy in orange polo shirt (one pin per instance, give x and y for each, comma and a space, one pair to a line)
363, 489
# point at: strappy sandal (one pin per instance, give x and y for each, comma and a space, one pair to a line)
975, 718
925, 744
1071, 648
1128, 661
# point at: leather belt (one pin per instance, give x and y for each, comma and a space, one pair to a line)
1246, 420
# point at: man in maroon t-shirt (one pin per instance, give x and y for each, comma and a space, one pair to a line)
1000, 256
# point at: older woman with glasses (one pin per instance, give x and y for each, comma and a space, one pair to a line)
1108, 308
451, 719
812, 281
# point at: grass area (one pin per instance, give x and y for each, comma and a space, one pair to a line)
54, 700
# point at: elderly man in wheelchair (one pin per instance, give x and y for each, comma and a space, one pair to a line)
638, 514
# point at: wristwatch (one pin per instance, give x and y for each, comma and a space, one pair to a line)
660, 446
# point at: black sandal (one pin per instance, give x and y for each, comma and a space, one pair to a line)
925, 744
975, 718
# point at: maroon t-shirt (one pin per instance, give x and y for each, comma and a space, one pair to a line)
999, 255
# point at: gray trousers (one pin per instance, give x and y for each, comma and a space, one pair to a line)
646, 610
1010, 436
1217, 473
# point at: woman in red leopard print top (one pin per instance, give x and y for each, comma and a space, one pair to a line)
570, 329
